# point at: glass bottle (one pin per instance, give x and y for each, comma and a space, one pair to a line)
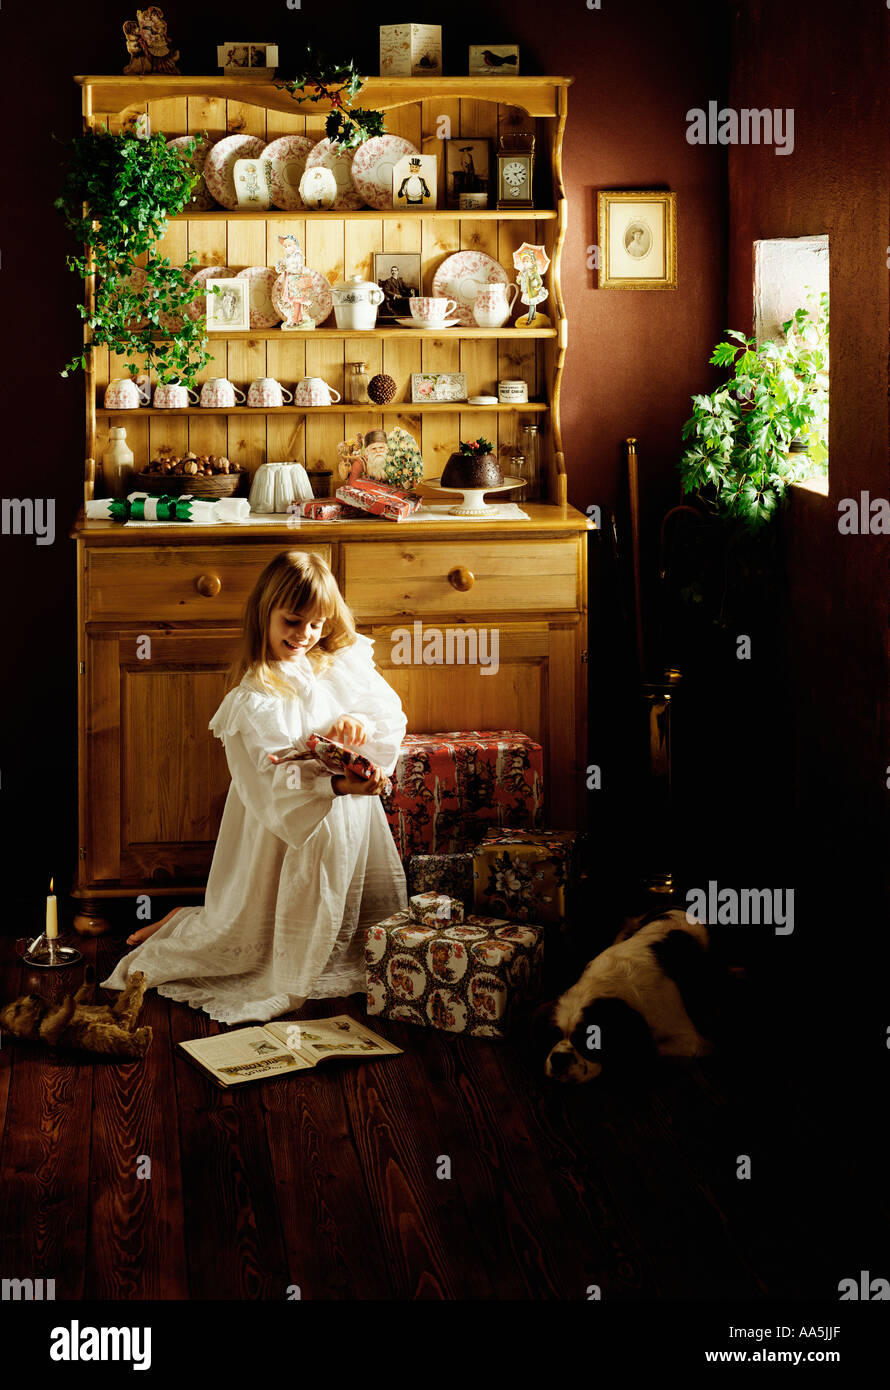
357, 385
530, 446
518, 469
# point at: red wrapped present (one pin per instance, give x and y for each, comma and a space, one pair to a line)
449, 786
380, 499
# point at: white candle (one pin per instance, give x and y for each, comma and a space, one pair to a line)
52, 913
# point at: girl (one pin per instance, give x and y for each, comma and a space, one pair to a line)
304, 860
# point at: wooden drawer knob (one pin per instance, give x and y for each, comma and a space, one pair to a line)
208, 584
462, 578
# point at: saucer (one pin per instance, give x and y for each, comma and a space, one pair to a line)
428, 327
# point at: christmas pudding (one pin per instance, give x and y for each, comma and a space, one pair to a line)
473, 466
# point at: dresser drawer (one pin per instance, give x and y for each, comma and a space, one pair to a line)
418, 577
170, 583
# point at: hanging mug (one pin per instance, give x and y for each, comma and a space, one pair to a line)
492, 308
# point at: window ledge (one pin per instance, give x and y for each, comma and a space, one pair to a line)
818, 483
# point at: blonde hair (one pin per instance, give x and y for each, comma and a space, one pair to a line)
298, 582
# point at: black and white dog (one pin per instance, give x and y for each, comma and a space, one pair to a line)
647, 995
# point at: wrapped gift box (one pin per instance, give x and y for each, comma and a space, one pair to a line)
442, 873
463, 977
527, 875
336, 757
325, 509
380, 499
435, 909
449, 787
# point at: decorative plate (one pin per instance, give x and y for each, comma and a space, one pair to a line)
201, 199
198, 306
219, 165
430, 327
339, 161
321, 301
263, 313
461, 276
286, 158
372, 166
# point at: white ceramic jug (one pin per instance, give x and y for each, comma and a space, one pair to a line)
355, 303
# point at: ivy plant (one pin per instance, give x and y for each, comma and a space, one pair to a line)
320, 78
118, 192
739, 460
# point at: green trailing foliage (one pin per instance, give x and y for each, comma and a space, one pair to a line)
117, 195
321, 78
738, 460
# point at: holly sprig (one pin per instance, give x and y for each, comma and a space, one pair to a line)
321, 78
475, 448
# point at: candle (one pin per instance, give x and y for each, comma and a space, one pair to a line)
52, 914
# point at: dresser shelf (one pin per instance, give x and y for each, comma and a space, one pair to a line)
337, 408
366, 215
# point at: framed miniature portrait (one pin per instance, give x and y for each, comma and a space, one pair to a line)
247, 59
228, 306
398, 275
637, 240
467, 168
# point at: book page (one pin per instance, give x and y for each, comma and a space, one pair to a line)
249, 1054
331, 1037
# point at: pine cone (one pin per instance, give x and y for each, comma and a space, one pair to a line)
382, 389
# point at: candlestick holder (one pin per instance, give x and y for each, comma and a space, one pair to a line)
47, 952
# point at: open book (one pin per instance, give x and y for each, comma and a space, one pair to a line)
277, 1049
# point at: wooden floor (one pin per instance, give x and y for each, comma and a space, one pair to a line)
331, 1181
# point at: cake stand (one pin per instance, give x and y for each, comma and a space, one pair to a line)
473, 503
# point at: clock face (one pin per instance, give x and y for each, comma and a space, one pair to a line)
515, 174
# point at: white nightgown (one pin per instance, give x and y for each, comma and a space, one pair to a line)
297, 874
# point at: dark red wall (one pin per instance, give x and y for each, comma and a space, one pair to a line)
634, 358
831, 66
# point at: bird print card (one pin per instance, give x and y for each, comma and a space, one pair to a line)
495, 60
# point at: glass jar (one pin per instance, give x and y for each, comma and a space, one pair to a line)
530, 446
357, 385
519, 469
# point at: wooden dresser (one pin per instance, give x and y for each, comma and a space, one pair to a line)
160, 607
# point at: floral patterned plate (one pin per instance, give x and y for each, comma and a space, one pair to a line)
372, 167
263, 313
198, 306
320, 302
286, 159
220, 162
201, 199
462, 275
339, 161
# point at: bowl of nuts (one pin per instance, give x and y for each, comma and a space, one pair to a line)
200, 475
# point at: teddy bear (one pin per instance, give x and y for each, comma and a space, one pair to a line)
109, 1029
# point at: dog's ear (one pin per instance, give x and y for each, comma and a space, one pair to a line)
544, 1032
613, 1034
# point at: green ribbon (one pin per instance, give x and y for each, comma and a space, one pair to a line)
167, 508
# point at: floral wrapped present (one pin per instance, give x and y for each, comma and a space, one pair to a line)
526, 875
449, 786
434, 909
462, 977
380, 499
324, 509
336, 757
450, 873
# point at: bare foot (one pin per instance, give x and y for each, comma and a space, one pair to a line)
136, 937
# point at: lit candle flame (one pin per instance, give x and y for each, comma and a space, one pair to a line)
50, 885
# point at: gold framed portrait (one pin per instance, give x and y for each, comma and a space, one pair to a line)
637, 234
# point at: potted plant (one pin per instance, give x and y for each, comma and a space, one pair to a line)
118, 193
740, 460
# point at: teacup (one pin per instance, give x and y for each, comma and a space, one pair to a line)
218, 392
122, 394
312, 390
431, 310
267, 393
174, 396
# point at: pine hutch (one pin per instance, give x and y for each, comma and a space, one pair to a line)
152, 779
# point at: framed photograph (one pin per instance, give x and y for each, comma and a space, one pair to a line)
467, 168
228, 306
438, 386
242, 59
398, 275
638, 240
496, 60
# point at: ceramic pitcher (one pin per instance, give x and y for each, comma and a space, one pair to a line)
492, 307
